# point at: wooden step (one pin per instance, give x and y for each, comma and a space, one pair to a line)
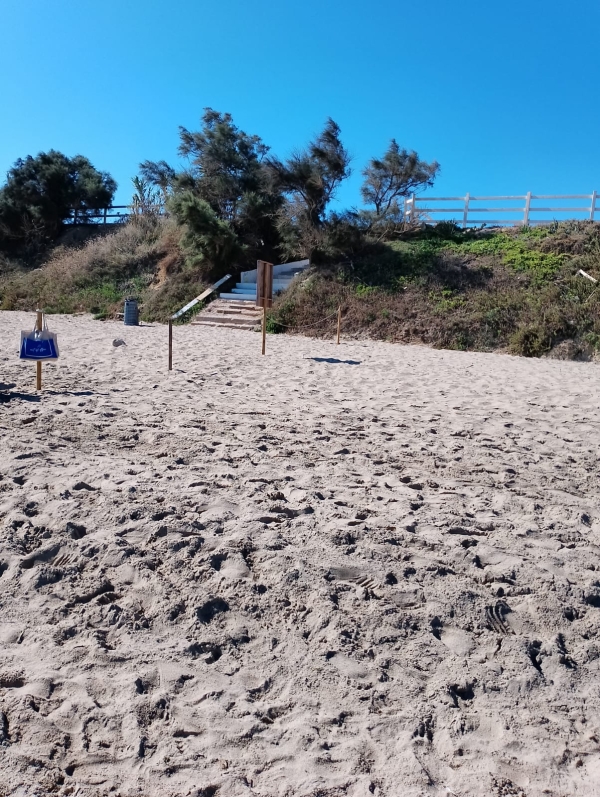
228, 304
223, 324
231, 314
242, 311
216, 317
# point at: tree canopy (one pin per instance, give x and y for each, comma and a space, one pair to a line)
225, 187
41, 191
399, 173
312, 175
238, 201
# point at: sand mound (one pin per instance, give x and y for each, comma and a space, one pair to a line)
354, 570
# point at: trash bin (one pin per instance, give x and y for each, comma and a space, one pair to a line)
131, 313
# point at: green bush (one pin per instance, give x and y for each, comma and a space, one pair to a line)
531, 341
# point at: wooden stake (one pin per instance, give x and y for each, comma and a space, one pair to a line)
339, 323
39, 325
170, 345
264, 330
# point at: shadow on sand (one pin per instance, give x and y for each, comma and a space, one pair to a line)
334, 360
9, 396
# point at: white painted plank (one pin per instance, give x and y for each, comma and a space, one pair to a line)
202, 296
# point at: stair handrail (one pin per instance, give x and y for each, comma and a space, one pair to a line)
202, 296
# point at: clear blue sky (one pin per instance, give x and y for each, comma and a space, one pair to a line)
503, 95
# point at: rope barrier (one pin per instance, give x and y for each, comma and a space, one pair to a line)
308, 326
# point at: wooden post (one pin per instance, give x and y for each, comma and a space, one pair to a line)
264, 284
339, 324
105, 212
39, 325
264, 294
466, 211
527, 206
593, 206
170, 344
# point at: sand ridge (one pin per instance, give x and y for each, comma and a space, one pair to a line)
354, 570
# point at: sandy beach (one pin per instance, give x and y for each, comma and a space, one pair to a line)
333, 570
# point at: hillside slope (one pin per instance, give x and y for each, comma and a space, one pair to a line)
141, 259
511, 289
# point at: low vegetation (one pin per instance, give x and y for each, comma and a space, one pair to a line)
91, 270
514, 290
235, 202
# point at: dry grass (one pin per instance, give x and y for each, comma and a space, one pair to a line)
514, 291
141, 259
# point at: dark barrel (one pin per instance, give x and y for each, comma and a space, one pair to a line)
131, 313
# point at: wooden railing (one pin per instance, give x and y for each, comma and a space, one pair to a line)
470, 212
109, 216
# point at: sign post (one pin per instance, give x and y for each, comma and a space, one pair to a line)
38, 344
39, 325
264, 294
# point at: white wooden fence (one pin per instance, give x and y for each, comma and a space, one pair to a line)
470, 212
427, 208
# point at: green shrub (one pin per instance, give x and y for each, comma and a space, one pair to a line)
531, 341
274, 326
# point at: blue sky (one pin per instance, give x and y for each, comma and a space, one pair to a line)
504, 96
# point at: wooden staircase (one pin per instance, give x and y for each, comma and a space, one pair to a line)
237, 308
230, 314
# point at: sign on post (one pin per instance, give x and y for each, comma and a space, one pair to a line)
40, 344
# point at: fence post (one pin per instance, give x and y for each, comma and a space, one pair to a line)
593, 206
105, 212
466, 211
412, 208
527, 206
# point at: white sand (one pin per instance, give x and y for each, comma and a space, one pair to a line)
285, 575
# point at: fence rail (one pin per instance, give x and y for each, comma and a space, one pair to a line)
108, 216
420, 209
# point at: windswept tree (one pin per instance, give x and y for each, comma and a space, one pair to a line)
41, 192
158, 174
399, 173
210, 239
238, 202
312, 175
225, 163
225, 184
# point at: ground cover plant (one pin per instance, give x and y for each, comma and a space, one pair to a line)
516, 290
